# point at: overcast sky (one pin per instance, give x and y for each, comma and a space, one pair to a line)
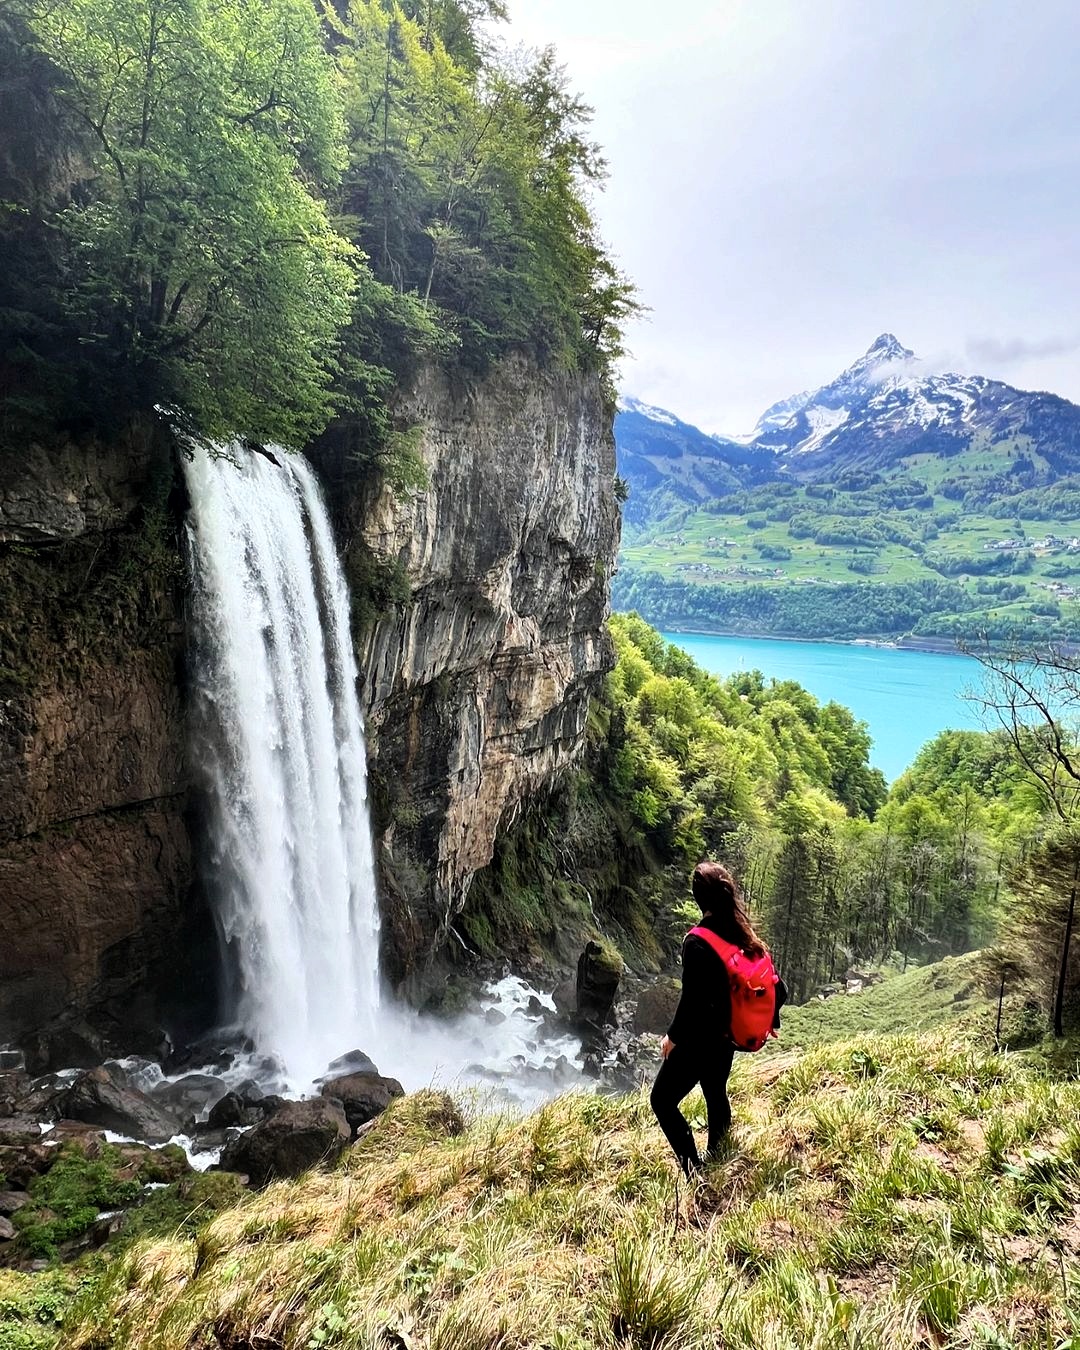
790, 178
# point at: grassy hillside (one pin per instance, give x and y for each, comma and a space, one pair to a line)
948, 993
879, 1192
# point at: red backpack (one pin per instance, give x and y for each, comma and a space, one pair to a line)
753, 981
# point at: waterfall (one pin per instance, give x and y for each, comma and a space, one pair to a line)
279, 741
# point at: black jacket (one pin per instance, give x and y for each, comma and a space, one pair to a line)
704, 1012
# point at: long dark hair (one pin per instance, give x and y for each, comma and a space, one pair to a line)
718, 894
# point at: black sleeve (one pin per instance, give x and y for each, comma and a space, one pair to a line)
781, 999
705, 1005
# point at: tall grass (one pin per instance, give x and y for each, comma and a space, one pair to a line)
879, 1194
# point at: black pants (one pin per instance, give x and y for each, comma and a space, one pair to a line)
680, 1073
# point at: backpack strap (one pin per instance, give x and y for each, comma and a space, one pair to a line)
724, 950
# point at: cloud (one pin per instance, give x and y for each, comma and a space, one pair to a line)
905, 368
1010, 351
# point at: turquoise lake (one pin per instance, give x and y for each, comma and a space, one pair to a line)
904, 697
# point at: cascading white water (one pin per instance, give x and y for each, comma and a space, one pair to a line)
280, 741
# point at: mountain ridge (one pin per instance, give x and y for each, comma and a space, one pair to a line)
895, 501
880, 410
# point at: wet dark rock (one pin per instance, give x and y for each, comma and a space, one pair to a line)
564, 1072
14, 1085
363, 1096
76, 1134
217, 1050
534, 1007
298, 1136
12, 1201
206, 1138
599, 971
245, 1109
592, 1066
353, 1062
190, 1095
656, 1007
135, 1071
42, 1098
564, 996
68, 1042
19, 1130
230, 1110
249, 1091
494, 1017
98, 1099
271, 1072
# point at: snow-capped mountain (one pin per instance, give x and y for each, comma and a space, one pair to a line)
667, 462
886, 361
882, 409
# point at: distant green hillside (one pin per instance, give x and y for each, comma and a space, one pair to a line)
786, 557
887, 503
952, 991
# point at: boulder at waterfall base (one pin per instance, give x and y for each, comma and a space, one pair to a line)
298, 1136
656, 1006
356, 1061
363, 1096
98, 1098
190, 1095
599, 972
14, 1085
242, 1107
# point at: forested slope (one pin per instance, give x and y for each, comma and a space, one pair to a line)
962, 851
261, 212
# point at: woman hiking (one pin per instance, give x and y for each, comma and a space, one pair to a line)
698, 1047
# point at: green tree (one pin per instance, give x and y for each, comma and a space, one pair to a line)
466, 184
204, 268
1045, 923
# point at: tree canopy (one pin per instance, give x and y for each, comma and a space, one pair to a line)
272, 207
837, 868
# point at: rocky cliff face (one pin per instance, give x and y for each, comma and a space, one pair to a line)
95, 860
477, 688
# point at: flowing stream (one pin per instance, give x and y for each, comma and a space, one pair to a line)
279, 739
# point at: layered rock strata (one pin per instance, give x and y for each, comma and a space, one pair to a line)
477, 687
